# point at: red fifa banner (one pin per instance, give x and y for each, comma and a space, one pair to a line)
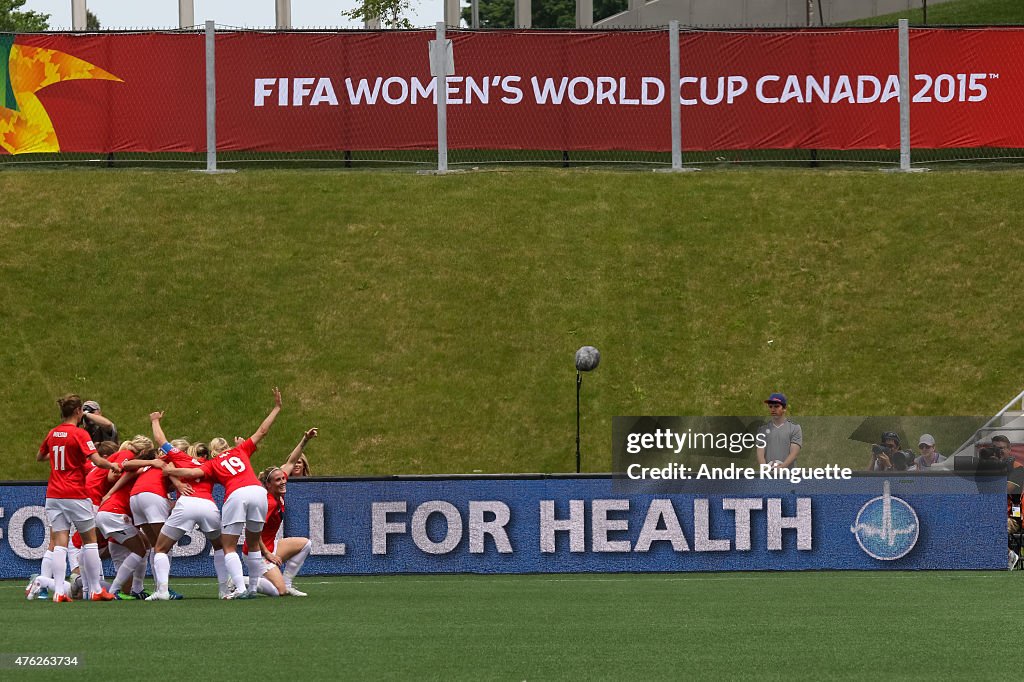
310, 91
114, 92
964, 88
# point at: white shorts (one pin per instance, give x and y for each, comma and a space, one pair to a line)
246, 506
118, 553
117, 527
150, 508
190, 512
61, 514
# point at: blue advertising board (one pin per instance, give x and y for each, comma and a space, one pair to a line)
589, 524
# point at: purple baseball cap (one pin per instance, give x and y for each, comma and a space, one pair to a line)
777, 398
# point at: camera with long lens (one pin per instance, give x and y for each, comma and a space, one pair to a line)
901, 460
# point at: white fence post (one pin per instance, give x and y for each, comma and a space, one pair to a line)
904, 37
904, 40
211, 101
673, 101
441, 85
673, 94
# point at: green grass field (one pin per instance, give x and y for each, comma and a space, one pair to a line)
957, 13
617, 627
428, 324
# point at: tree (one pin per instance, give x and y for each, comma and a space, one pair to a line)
545, 13
13, 20
388, 11
92, 22
493, 13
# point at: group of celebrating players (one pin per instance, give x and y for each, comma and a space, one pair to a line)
118, 499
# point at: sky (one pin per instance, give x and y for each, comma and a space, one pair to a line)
247, 13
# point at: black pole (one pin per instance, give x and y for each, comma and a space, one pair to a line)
579, 382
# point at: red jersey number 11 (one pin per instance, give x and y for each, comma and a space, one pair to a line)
57, 457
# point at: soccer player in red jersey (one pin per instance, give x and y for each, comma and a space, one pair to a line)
114, 517
245, 502
150, 501
67, 502
195, 508
284, 559
151, 505
97, 483
41, 584
96, 479
147, 504
143, 453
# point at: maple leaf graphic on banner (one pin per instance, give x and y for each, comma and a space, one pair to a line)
25, 127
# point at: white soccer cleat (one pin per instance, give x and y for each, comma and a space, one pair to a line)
234, 594
294, 592
33, 587
159, 596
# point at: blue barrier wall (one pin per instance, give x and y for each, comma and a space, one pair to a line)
562, 525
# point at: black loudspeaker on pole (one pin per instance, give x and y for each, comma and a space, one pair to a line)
587, 360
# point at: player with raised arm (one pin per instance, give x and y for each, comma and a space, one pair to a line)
67, 502
151, 505
283, 559
195, 508
245, 502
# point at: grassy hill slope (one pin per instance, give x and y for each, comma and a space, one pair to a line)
960, 12
428, 324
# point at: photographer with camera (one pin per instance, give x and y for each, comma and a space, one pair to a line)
990, 459
99, 427
1015, 471
887, 455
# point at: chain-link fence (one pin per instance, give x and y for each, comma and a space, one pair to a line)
369, 99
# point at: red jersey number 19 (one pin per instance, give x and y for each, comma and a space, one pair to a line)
233, 464
57, 457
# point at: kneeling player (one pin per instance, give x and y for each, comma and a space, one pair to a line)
283, 558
